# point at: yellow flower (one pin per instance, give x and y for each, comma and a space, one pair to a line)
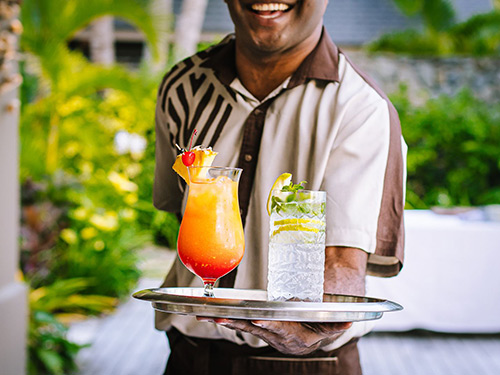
128, 214
133, 169
71, 149
122, 183
99, 245
69, 236
106, 222
72, 105
81, 213
131, 199
86, 167
88, 233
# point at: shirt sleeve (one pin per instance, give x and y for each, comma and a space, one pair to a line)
167, 193
365, 185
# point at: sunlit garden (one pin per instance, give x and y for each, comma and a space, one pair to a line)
87, 154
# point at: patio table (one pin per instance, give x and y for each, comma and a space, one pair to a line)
450, 281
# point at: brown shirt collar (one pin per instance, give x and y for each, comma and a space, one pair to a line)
321, 64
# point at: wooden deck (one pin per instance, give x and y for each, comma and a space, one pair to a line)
127, 344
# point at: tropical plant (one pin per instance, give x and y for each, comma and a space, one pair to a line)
453, 157
49, 350
80, 201
49, 25
437, 15
441, 34
97, 195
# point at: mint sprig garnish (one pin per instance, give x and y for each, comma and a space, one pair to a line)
294, 187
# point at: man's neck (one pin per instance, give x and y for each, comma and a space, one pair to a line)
263, 74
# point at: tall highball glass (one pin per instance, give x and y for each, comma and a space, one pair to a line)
297, 246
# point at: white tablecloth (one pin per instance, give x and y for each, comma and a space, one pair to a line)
450, 281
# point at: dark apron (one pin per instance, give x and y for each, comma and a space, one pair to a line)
195, 356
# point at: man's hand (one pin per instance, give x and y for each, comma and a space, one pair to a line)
345, 270
288, 337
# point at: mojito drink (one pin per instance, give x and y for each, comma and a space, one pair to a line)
297, 246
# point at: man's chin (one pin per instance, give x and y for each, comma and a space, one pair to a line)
268, 46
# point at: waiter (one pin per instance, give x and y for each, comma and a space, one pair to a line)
279, 96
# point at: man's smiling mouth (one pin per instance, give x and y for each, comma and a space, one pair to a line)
269, 10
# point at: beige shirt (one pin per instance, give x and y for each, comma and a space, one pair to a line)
326, 124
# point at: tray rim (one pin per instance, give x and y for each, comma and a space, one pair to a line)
165, 300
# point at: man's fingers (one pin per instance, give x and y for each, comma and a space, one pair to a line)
204, 319
328, 328
269, 325
242, 325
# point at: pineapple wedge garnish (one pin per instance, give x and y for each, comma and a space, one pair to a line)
203, 157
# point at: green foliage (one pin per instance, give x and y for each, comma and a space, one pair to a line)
438, 15
93, 186
409, 7
165, 227
86, 204
454, 158
414, 43
49, 350
63, 298
49, 24
477, 36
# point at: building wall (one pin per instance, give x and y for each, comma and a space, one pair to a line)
349, 22
431, 77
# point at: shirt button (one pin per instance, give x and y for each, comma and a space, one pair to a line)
257, 112
248, 157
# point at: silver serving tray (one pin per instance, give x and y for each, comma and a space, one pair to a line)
252, 304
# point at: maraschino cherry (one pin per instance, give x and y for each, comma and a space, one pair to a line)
189, 156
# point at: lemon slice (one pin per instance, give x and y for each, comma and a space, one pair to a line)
282, 180
203, 157
300, 221
295, 227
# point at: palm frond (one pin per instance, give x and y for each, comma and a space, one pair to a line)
56, 21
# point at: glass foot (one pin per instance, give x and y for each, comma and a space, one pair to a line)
208, 290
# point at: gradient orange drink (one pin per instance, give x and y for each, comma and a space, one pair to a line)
211, 241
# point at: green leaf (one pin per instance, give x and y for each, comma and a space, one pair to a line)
294, 187
439, 15
52, 361
409, 7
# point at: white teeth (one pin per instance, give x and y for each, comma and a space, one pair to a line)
270, 7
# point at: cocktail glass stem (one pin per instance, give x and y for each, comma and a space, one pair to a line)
208, 289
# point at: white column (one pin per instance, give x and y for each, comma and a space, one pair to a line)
163, 11
13, 303
102, 41
188, 27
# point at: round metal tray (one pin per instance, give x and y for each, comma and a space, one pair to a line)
252, 304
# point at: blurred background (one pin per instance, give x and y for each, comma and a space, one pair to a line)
78, 232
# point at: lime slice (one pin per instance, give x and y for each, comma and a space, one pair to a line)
282, 180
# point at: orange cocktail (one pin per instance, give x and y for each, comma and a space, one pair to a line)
211, 242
